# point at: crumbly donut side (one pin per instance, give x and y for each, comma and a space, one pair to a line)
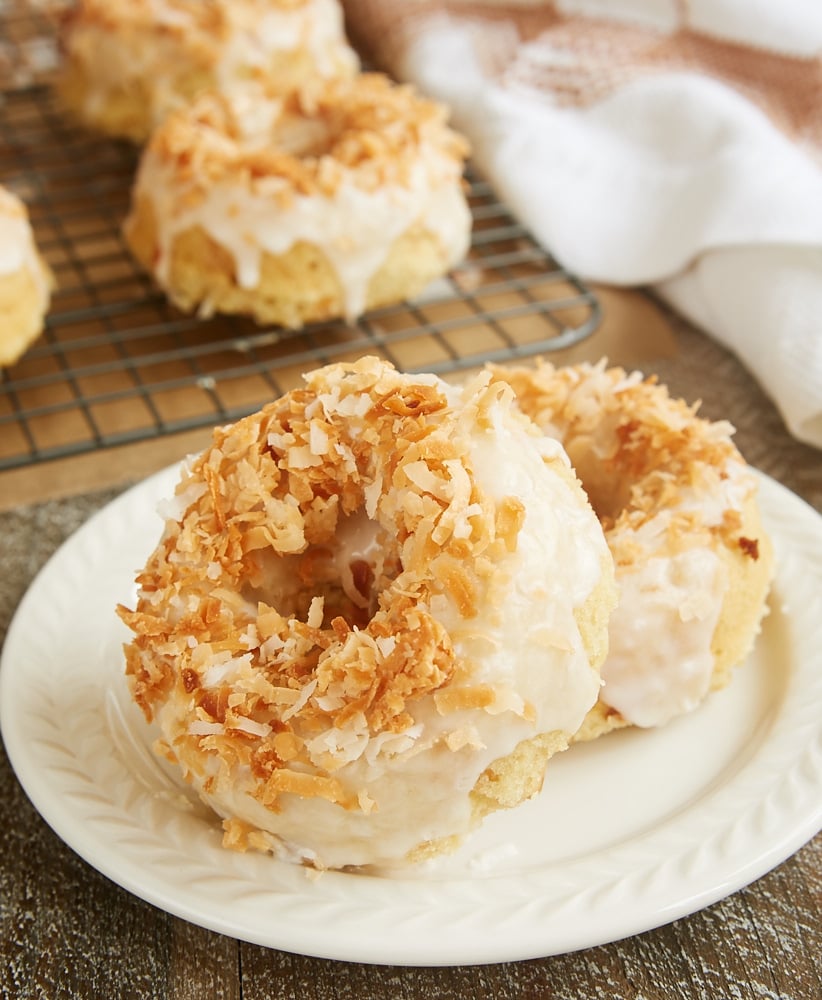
678, 506
334, 633
749, 564
518, 776
25, 281
127, 108
294, 288
129, 64
345, 197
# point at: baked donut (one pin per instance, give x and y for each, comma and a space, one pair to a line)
378, 607
345, 196
128, 63
25, 281
678, 506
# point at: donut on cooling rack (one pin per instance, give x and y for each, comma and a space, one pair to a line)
678, 506
128, 63
25, 281
378, 607
343, 197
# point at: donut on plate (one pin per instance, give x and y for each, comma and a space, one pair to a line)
128, 63
378, 607
25, 281
679, 509
343, 197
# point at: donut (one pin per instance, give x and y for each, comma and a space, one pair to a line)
25, 281
128, 63
678, 506
345, 196
377, 608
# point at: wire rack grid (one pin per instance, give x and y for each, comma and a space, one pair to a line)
118, 364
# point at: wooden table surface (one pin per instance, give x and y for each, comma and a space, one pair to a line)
66, 931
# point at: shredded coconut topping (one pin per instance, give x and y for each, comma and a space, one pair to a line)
309, 140
650, 465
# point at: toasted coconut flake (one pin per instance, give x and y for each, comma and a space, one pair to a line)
459, 699
284, 781
367, 120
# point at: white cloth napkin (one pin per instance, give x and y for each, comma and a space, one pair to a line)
673, 143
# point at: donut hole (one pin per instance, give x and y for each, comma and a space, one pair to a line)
607, 485
349, 572
304, 136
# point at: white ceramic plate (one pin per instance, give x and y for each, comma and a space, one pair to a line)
629, 833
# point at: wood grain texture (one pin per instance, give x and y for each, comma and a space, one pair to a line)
67, 932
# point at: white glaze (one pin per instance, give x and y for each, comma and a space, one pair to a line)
316, 27
530, 639
659, 662
355, 228
15, 244
17, 247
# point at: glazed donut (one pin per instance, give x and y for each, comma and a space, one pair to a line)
128, 63
378, 607
25, 281
343, 197
678, 506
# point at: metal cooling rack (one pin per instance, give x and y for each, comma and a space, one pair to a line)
117, 364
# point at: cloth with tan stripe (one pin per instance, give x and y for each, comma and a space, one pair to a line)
672, 143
